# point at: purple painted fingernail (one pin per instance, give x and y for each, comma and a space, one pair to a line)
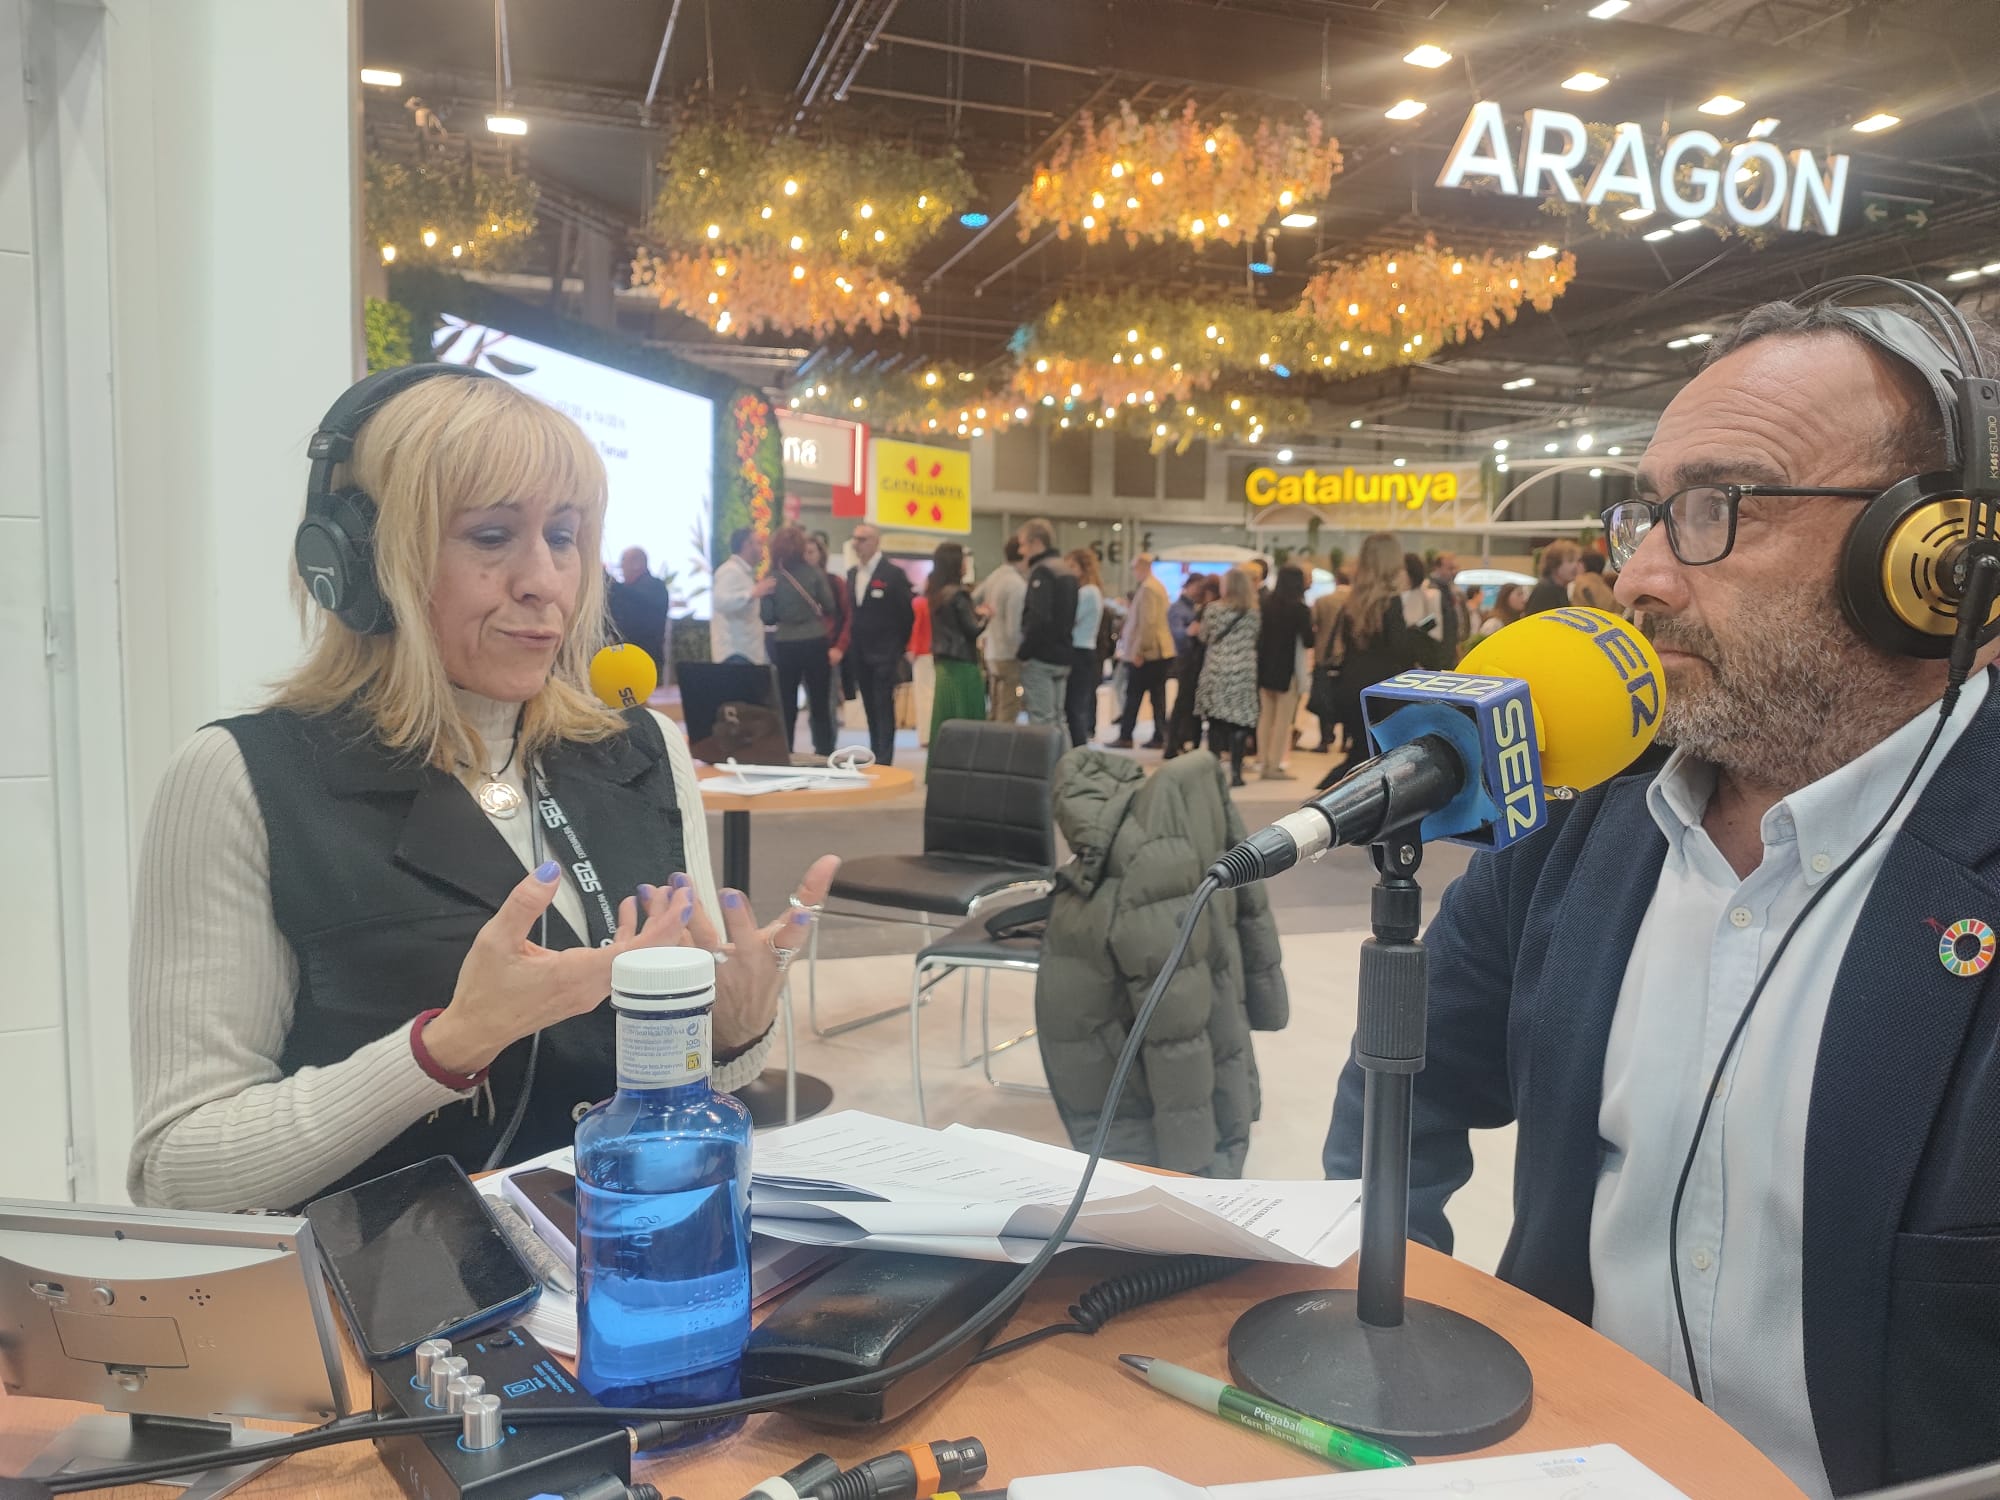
800, 918
547, 871
680, 880
731, 900
645, 894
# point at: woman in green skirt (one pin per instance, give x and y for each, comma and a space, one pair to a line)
955, 627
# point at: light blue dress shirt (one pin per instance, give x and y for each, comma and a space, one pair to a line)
1705, 939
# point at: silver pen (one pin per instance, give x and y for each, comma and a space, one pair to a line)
532, 1248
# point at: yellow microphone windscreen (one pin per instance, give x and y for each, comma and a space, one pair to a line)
1596, 684
623, 676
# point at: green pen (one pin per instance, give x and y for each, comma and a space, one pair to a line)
1321, 1439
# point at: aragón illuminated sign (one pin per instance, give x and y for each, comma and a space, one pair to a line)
1692, 179
1411, 489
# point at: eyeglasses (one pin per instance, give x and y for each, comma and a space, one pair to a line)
1701, 520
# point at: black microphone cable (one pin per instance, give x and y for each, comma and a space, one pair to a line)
660, 1421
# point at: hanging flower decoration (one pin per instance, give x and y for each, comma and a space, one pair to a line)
1176, 176
1419, 299
742, 292
807, 235
753, 429
941, 401
446, 213
1106, 347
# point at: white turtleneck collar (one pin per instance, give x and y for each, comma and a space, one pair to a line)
494, 722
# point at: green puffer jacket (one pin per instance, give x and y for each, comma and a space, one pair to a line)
1140, 847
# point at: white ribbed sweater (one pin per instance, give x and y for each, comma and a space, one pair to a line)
219, 1125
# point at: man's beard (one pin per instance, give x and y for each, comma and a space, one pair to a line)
1789, 696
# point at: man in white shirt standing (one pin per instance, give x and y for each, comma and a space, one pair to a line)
1741, 1004
999, 597
736, 631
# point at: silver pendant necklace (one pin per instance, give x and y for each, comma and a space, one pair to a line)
498, 798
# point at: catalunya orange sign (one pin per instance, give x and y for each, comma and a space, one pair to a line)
921, 488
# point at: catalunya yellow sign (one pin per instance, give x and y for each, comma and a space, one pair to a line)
921, 488
1411, 489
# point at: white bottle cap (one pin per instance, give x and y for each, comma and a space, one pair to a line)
663, 979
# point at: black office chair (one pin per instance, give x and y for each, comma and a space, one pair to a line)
989, 829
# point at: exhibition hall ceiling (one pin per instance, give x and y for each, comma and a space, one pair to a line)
1004, 83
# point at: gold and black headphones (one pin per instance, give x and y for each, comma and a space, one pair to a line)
1905, 566
334, 547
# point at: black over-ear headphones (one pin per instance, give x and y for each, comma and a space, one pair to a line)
334, 549
1903, 571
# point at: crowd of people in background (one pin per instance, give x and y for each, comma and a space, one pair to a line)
1229, 662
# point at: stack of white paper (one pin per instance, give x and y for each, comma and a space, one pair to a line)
856, 1180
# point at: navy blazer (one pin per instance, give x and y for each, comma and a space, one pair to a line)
1901, 1291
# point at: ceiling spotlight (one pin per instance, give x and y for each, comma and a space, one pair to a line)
975, 220
1700, 338
1550, 447
1682, 226
1517, 385
382, 78
1596, 473
1299, 220
1405, 109
1678, 343
1634, 215
1963, 275
1878, 121
1541, 252
1585, 82
1284, 455
1657, 235
1608, 9
1400, 462
1991, 268
1721, 104
506, 124
1356, 423
1763, 127
1614, 452
1499, 445
1427, 56
1584, 442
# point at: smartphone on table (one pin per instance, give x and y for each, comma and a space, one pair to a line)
415, 1255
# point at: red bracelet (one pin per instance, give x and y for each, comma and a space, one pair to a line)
433, 1069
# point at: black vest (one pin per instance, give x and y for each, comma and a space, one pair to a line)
383, 872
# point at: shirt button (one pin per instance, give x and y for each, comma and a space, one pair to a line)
1740, 917
1700, 1259
1821, 863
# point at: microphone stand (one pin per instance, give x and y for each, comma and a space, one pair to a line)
1422, 1377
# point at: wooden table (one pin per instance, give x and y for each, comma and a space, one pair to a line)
767, 1097
885, 784
1067, 1404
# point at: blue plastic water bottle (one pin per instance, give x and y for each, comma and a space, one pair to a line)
663, 1203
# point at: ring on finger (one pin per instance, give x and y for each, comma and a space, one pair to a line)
815, 907
781, 956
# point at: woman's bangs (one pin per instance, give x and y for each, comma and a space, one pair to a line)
529, 450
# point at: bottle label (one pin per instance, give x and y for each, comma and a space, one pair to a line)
662, 1052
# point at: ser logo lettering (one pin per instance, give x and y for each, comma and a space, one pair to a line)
1518, 792
1642, 687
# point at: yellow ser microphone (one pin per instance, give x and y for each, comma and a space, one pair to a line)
623, 676
1595, 683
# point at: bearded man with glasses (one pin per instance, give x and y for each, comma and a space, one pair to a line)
1786, 924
